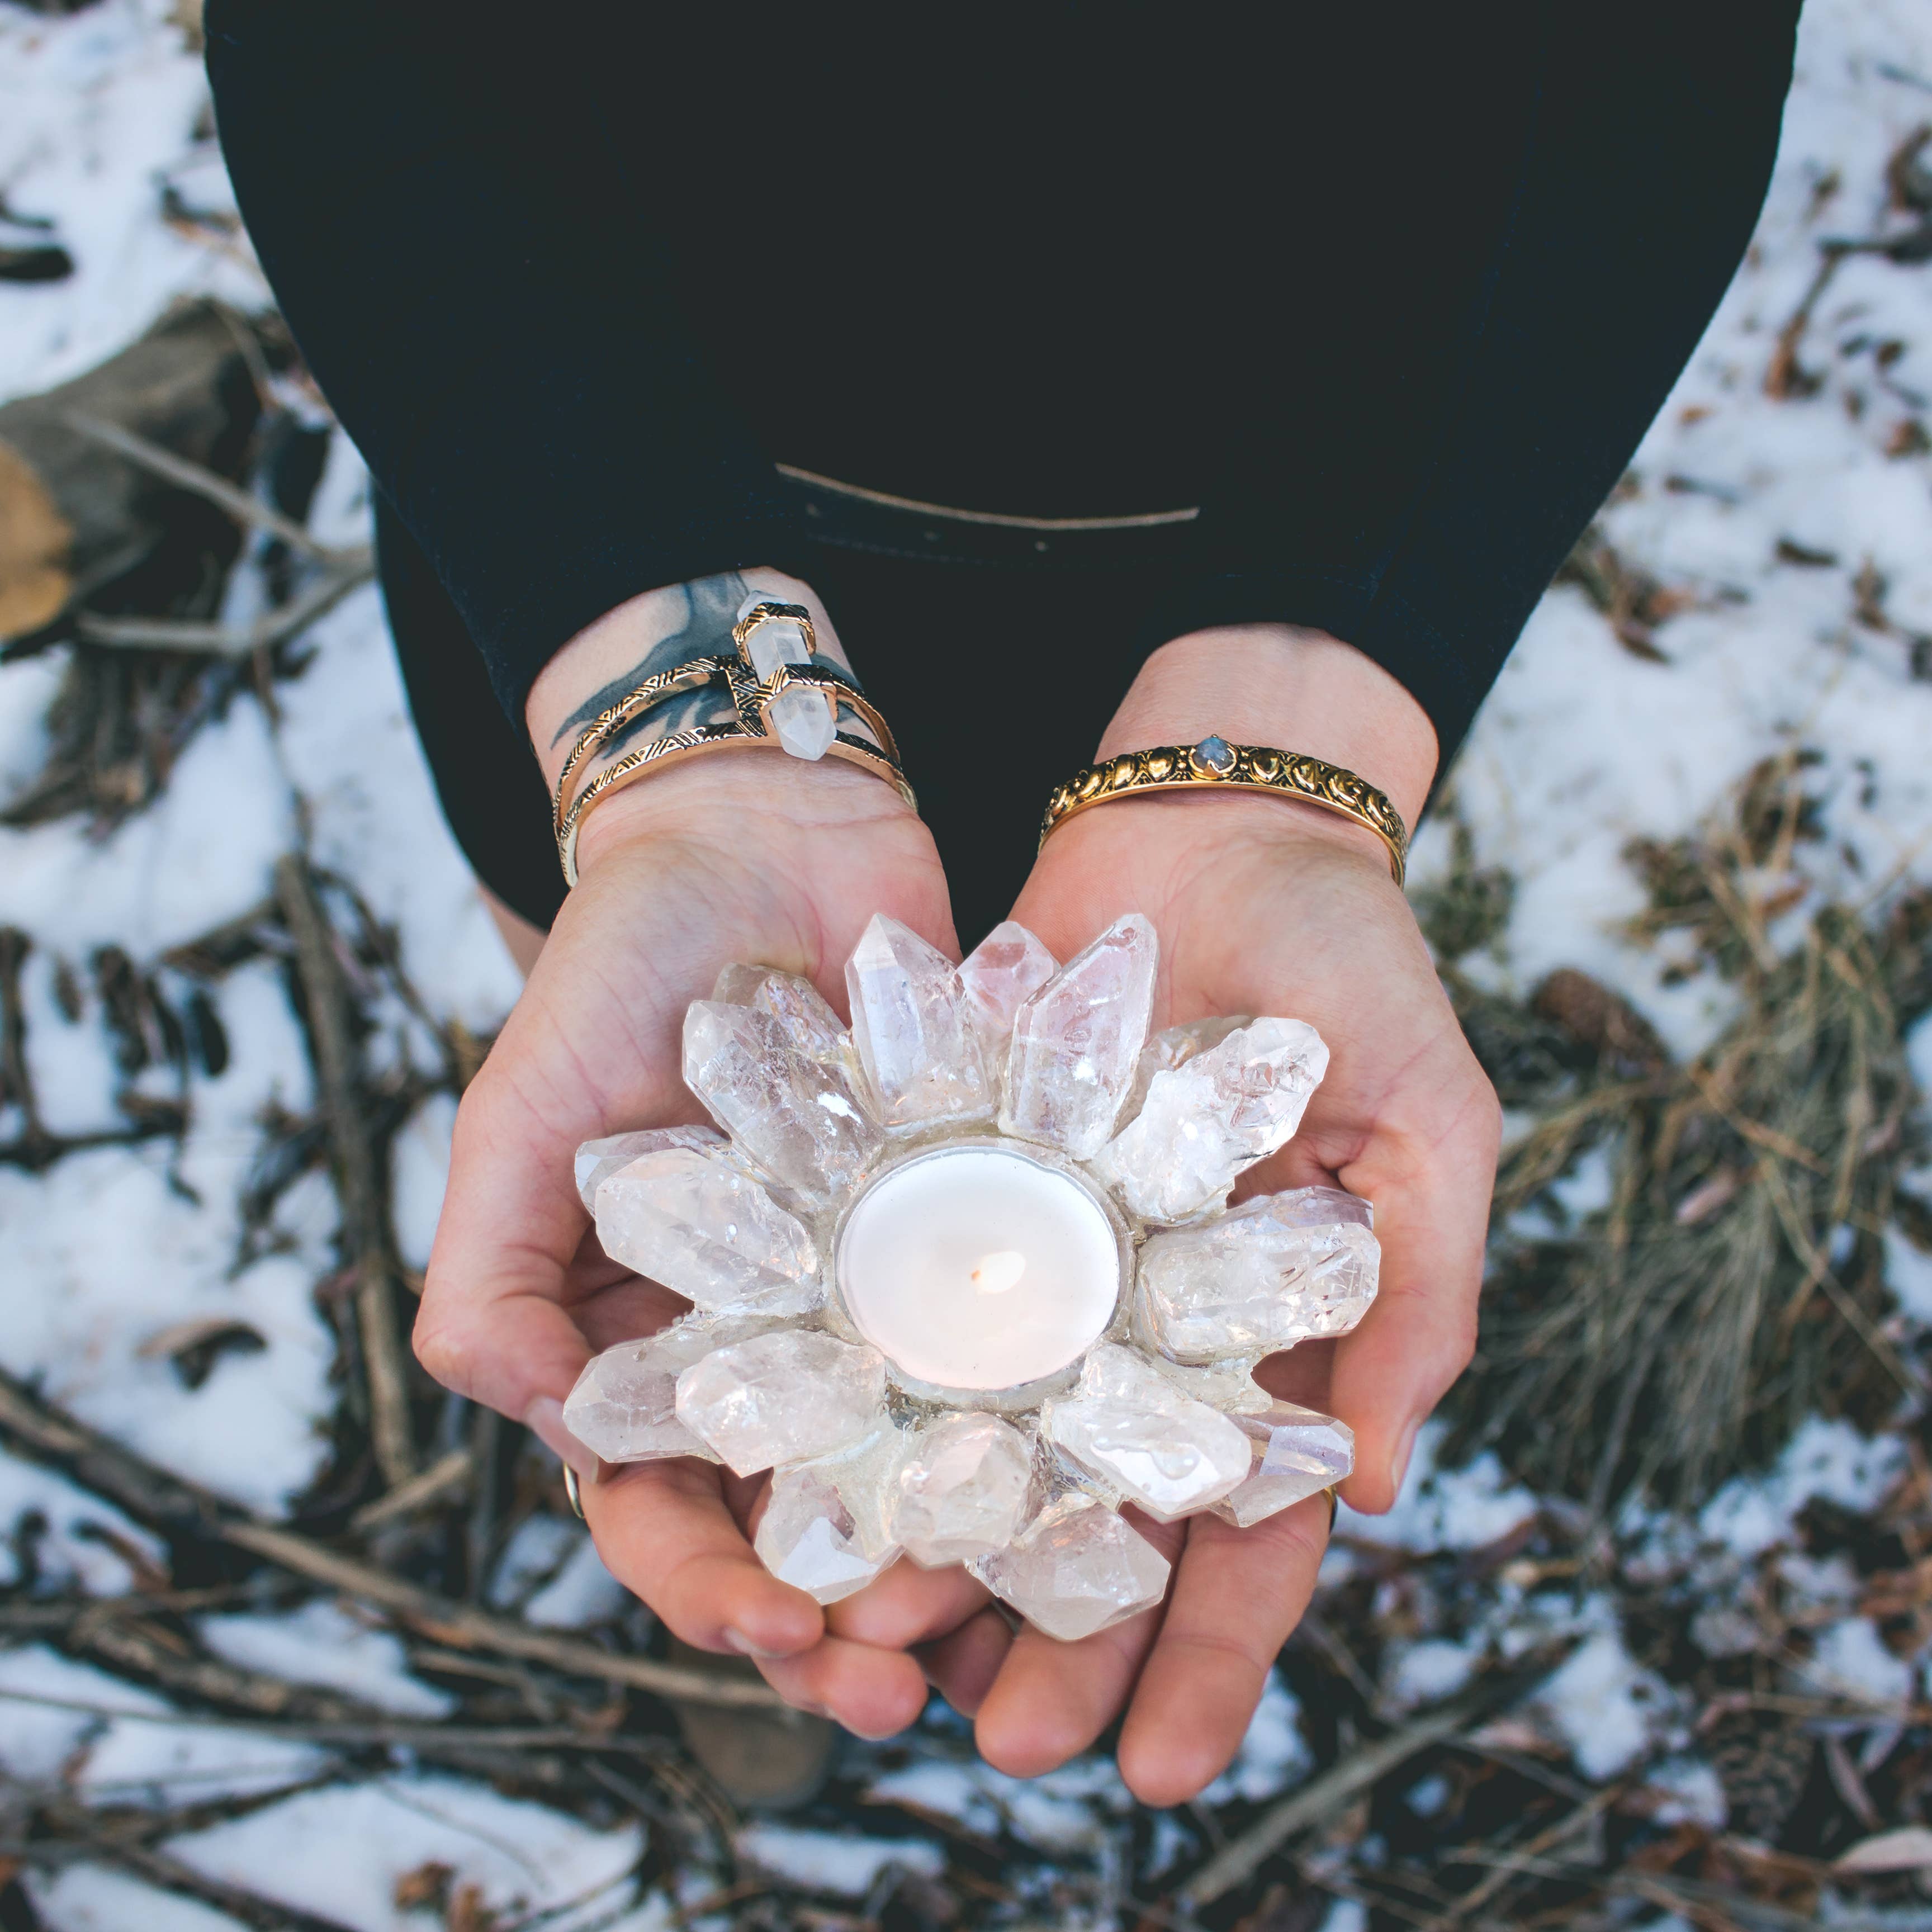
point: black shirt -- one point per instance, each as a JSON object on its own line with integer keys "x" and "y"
{"x": 1388, "y": 294}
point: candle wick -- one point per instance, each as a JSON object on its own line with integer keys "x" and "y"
{"x": 996, "y": 1272}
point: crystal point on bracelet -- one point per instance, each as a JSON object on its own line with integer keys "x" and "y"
{"x": 1279, "y": 1269}
{"x": 1076, "y": 1041}
{"x": 1208, "y": 1120}
{"x": 706, "y": 1231}
{"x": 803, "y": 720}
{"x": 911, "y": 1026}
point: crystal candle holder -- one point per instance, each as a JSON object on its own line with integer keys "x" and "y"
{"x": 963, "y": 1277}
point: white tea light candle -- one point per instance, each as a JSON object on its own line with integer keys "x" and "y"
{"x": 979, "y": 1266}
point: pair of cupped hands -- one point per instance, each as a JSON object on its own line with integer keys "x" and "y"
{"x": 1262, "y": 906}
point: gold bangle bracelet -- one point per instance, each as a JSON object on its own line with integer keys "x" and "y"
{"x": 751, "y": 698}
{"x": 1214, "y": 762}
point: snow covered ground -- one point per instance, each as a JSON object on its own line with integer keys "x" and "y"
{"x": 1792, "y": 537}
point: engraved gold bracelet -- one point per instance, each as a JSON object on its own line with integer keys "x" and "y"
{"x": 752, "y": 697}
{"x": 1214, "y": 762}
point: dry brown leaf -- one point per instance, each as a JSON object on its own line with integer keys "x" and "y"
{"x": 1908, "y": 1848}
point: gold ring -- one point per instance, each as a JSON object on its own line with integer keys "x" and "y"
{"x": 1216, "y": 763}
{"x": 571, "y": 1489}
{"x": 1334, "y": 1506}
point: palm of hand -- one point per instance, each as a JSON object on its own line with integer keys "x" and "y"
{"x": 1287, "y": 918}
{"x": 519, "y": 1295}
{"x": 1270, "y": 914}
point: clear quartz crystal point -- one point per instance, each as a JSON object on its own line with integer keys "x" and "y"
{"x": 800, "y": 1120}
{"x": 1174, "y": 1046}
{"x": 624, "y": 1407}
{"x": 911, "y": 1026}
{"x": 1076, "y": 1568}
{"x": 597, "y": 1160}
{"x": 1275, "y": 1270}
{"x": 803, "y": 720}
{"x": 796, "y": 1004}
{"x": 1296, "y": 1451}
{"x": 782, "y": 1397}
{"x": 1130, "y": 1429}
{"x": 998, "y": 976}
{"x": 709, "y": 1233}
{"x": 1206, "y": 1121}
{"x": 864, "y": 1475}
{"x": 960, "y": 1489}
{"x": 1076, "y": 1041}
{"x": 810, "y": 1538}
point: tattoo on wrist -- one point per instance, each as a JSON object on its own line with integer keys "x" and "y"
{"x": 711, "y": 605}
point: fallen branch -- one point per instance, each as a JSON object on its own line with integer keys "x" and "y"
{"x": 1238, "y": 1861}
{"x": 74, "y": 1823}
{"x": 358, "y": 1188}
{"x": 225, "y": 640}
{"x": 445, "y": 1477}
{"x": 437, "y": 1740}
{"x": 205, "y": 483}
{"x": 46, "y": 1434}
{"x": 76, "y": 514}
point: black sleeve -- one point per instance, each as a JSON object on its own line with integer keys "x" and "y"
{"x": 480, "y": 300}
{"x": 1391, "y": 293}
{"x": 1413, "y": 489}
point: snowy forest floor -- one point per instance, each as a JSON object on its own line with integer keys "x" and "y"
{"x": 1645, "y": 1641}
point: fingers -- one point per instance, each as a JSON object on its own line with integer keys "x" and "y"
{"x": 1050, "y": 1699}
{"x": 664, "y": 1531}
{"x": 872, "y": 1692}
{"x": 962, "y": 1665}
{"x": 592, "y": 1046}
{"x": 1432, "y": 1217}
{"x": 907, "y": 1606}
{"x": 492, "y": 1324}
{"x": 1238, "y": 1594}
{"x": 860, "y": 1674}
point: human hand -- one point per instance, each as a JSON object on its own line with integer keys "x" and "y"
{"x": 1262, "y": 906}
{"x": 750, "y": 856}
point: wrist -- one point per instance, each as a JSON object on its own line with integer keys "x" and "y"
{"x": 650, "y": 633}
{"x": 1297, "y": 690}
{"x": 743, "y": 803}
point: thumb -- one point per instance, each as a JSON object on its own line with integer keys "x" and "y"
{"x": 493, "y": 1324}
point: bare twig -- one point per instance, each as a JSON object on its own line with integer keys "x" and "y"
{"x": 437, "y": 1740}
{"x": 44, "y": 1433}
{"x": 353, "y": 1157}
{"x": 445, "y": 1477}
{"x": 217, "y": 490}
{"x": 1321, "y": 1797}
{"x": 227, "y": 640}
{"x": 73, "y": 1821}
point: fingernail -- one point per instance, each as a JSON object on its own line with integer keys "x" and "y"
{"x": 544, "y": 1419}
{"x": 738, "y": 1641}
{"x": 1405, "y": 1447}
